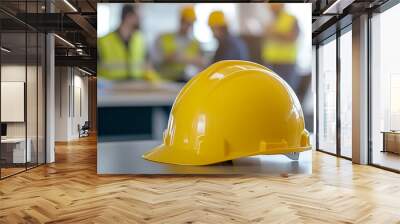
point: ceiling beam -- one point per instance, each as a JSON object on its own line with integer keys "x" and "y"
{"x": 337, "y": 6}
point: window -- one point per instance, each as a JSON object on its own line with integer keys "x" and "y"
{"x": 327, "y": 97}
{"x": 385, "y": 89}
{"x": 23, "y": 89}
{"x": 346, "y": 94}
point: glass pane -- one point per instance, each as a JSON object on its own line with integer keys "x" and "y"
{"x": 386, "y": 89}
{"x": 327, "y": 97}
{"x": 346, "y": 94}
{"x": 23, "y": 89}
{"x": 41, "y": 99}
{"x": 31, "y": 97}
{"x": 13, "y": 86}
{"x": 32, "y": 86}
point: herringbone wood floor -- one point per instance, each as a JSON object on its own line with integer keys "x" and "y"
{"x": 69, "y": 191}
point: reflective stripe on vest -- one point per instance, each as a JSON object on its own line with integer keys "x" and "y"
{"x": 169, "y": 46}
{"x": 279, "y": 51}
{"x": 116, "y": 61}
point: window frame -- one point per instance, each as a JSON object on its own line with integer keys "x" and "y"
{"x": 334, "y": 37}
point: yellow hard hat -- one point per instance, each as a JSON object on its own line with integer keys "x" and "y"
{"x": 188, "y": 14}
{"x": 230, "y": 110}
{"x": 217, "y": 18}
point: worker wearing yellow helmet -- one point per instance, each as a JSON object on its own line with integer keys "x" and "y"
{"x": 122, "y": 53}
{"x": 280, "y": 45}
{"x": 180, "y": 53}
{"x": 230, "y": 47}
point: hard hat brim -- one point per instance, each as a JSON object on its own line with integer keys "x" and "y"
{"x": 170, "y": 155}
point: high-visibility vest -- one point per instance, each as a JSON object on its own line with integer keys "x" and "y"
{"x": 277, "y": 51}
{"x": 119, "y": 62}
{"x": 169, "y": 46}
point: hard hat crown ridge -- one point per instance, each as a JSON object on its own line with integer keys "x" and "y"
{"x": 230, "y": 110}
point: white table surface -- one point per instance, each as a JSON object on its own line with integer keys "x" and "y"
{"x": 12, "y": 140}
{"x": 137, "y": 94}
{"x": 19, "y": 152}
{"x": 125, "y": 157}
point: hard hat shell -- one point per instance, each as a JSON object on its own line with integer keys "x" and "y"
{"x": 188, "y": 14}
{"x": 217, "y": 19}
{"x": 230, "y": 110}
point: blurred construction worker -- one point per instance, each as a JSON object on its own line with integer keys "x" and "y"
{"x": 280, "y": 46}
{"x": 180, "y": 52}
{"x": 122, "y": 53}
{"x": 230, "y": 47}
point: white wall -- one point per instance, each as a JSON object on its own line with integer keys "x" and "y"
{"x": 62, "y": 81}
{"x": 80, "y": 94}
{"x": 33, "y": 126}
{"x": 17, "y": 73}
{"x": 70, "y": 83}
{"x": 12, "y": 73}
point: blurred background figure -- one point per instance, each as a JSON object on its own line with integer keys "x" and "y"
{"x": 122, "y": 53}
{"x": 230, "y": 47}
{"x": 181, "y": 40}
{"x": 280, "y": 45}
{"x": 180, "y": 52}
